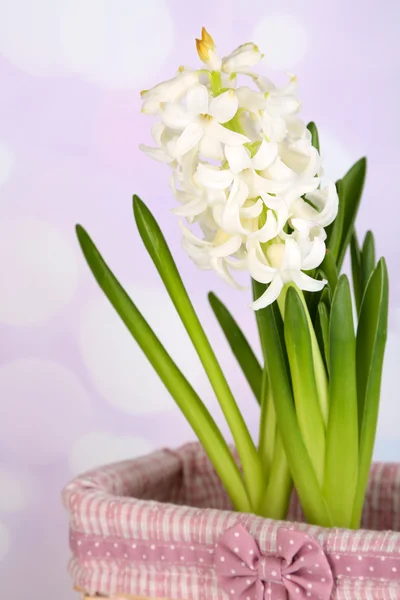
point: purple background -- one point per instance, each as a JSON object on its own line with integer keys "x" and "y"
{"x": 74, "y": 390}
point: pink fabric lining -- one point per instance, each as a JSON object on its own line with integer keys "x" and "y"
{"x": 122, "y": 512}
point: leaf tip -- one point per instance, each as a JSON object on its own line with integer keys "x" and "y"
{"x": 81, "y": 233}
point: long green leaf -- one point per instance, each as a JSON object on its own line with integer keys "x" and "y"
{"x": 312, "y": 128}
{"x": 367, "y": 259}
{"x": 180, "y": 389}
{"x": 371, "y": 342}
{"x": 353, "y": 183}
{"x": 313, "y": 503}
{"x": 160, "y": 254}
{"x": 322, "y": 332}
{"x": 240, "y": 347}
{"x": 319, "y": 366}
{"x": 298, "y": 344}
{"x": 267, "y": 426}
{"x": 277, "y": 495}
{"x": 326, "y": 297}
{"x": 356, "y": 270}
{"x": 341, "y": 466}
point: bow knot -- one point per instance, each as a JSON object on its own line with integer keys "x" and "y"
{"x": 299, "y": 571}
{"x": 270, "y": 568}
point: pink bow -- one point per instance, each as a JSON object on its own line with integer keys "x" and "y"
{"x": 300, "y": 571}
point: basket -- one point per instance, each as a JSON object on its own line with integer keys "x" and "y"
{"x": 162, "y": 527}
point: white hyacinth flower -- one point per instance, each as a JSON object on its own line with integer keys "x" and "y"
{"x": 284, "y": 263}
{"x": 169, "y": 91}
{"x": 244, "y": 171}
{"x": 201, "y": 122}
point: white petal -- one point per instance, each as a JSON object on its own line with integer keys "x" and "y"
{"x": 230, "y": 216}
{"x": 191, "y": 237}
{"x": 210, "y": 146}
{"x": 315, "y": 256}
{"x": 157, "y": 132}
{"x": 197, "y": 100}
{"x": 172, "y": 89}
{"x": 258, "y": 270}
{"x": 213, "y": 177}
{"x": 303, "y": 211}
{"x": 249, "y": 99}
{"x": 224, "y": 107}
{"x": 156, "y": 153}
{"x": 327, "y": 201}
{"x": 271, "y": 228}
{"x": 265, "y": 155}
{"x": 253, "y": 211}
{"x": 273, "y": 202}
{"x": 270, "y": 295}
{"x": 307, "y": 283}
{"x": 265, "y": 84}
{"x": 151, "y": 107}
{"x": 229, "y": 247}
{"x": 238, "y": 158}
{"x": 258, "y": 184}
{"x": 273, "y": 128}
{"x": 226, "y": 136}
{"x": 174, "y": 115}
{"x": 190, "y": 136}
{"x": 241, "y": 59}
{"x": 292, "y": 256}
{"x": 237, "y": 264}
{"x": 296, "y": 127}
{"x": 280, "y": 171}
{"x": 301, "y": 225}
{"x": 189, "y": 162}
{"x": 191, "y": 209}
{"x": 220, "y": 267}
{"x": 282, "y": 105}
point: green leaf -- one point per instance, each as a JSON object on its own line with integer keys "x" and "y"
{"x": 353, "y": 183}
{"x": 313, "y": 503}
{"x": 341, "y": 466}
{"x": 326, "y": 298}
{"x": 356, "y": 270}
{"x": 371, "y": 342}
{"x": 239, "y": 345}
{"x": 322, "y": 332}
{"x": 298, "y": 344}
{"x": 312, "y": 128}
{"x": 267, "y": 426}
{"x": 160, "y": 254}
{"x": 319, "y": 367}
{"x": 335, "y": 230}
{"x": 180, "y": 389}
{"x": 279, "y": 488}
{"x": 367, "y": 259}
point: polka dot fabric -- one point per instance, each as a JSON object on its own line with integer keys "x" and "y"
{"x": 161, "y": 527}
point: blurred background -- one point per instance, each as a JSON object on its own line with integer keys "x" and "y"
{"x": 75, "y": 391}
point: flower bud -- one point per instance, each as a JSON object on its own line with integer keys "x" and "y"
{"x": 242, "y": 59}
{"x": 207, "y": 51}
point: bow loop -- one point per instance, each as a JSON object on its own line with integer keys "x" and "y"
{"x": 300, "y": 570}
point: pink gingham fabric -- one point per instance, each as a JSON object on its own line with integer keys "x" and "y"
{"x": 154, "y": 527}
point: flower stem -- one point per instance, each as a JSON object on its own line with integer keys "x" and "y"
{"x": 216, "y": 83}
